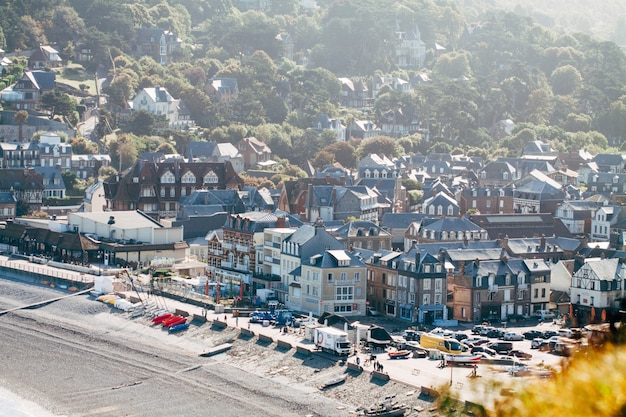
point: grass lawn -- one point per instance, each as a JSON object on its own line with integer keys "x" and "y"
{"x": 75, "y": 75}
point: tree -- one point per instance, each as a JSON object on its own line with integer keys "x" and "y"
{"x": 141, "y": 123}
{"x": 22, "y": 208}
{"x": 71, "y": 180}
{"x": 565, "y": 80}
{"x": 59, "y": 103}
{"x": 81, "y": 146}
{"x": 380, "y": 145}
{"x": 21, "y": 117}
{"x": 106, "y": 172}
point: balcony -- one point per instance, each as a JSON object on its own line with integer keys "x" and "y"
{"x": 522, "y": 286}
{"x": 242, "y": 248}
{"x": 216, "y": 252}
{"x": 227, "y": 264}
{"x": 226, "y": 245}
{"x": 242, "y": 267}
{"x": 493, "y": 288}
{"x": 267, "y": 277}
{"x": 271, "y": 244}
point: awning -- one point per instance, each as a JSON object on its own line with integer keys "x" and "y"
{"x": 295, "y": 284}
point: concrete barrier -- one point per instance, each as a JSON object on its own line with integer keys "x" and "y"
{"x": 198, "y": 318}
{"x": 219, "y": 324}
{"x": 302, "y": 350}
{"x": 264, "y": 338}
{"x": 182, "y": 312}
{"x": 283, "y": 344}
{"x": 431, "y": 392}
{"x": 246, "y": 332}
{"x": 380, "y": 375}
{"x": 354, "y": 367}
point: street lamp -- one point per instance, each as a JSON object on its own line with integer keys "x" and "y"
{"x": 99, "y": 255}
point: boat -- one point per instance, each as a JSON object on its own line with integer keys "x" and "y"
{"x": 160, "y": 319}
{"x": 175, "y": 321}
{"x": 387, "y": 409}
{"x": 178, "y": 328}
{"x": 335, "y": 381}
{"x": 462, "y": 359}
{"x": 399, "y": 354}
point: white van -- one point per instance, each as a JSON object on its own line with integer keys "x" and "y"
{"x": 544, "y": 314}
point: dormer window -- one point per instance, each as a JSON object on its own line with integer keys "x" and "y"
{"x": 168, "y": 178}
{"x": 188, "y": 178}
{"x": 211, "y": 178}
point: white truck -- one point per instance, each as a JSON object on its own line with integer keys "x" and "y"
{"x": 332, "y": 340}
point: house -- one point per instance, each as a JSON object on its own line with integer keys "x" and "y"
{"x": 610, "y": 163}
{"x": 537, "y": 193}
{"x": 19, "y": 155}
{"x": 397, "y": 224}
{"x": 486, "y": 200}
{"x": 199, "y": 151}
{"x": 564, "y": 176}
{"x": 298, "y": 248}
{"x": 611, "y": 185}
{"x": 156, "y": 188}
{"x": 160, "y": 44}
{"x": 243, "y": 234}
{"x": 8, "y": 205}
{"x": 440, "y": 205}
{"x": 25, "y": 184}
{"x": 339, "y": 203}
{"x": 253, "y": 151}
{"x": 363, "y": 234}
{"x": 398, "y": 122}
{"x": 597, "y": 289}
{"x": 354, "y": 94}
{"x": 45, "y": 57}
{"x": 87, "y": 166}
{"x": 128, "y": 236}
{"x": 497, "y": 173}
{"x": 390, "y": 190}
{"x": 602, "y": 224}
{"x": 27, "y": 91}
{"x": 363, "y": 129}
{"x": 94, "y": 200}
{"x": 375, "y": 166}
{"x": 286, "y": 45}
{"x": 577, "y": 215}
{"x": 158, "y": 102}
{"x": 53, "y": 184}
{"x": 324, "y": 122}
{"x": 270, "y": 270}
{"x": 494, "y": 290}
{"x": 294, "y": 195}
{"x": 410, "y": 286}
{"x": 53, "y": 152}
{"x": 395, "y": 83}
{"x": 333, "y": 281}
{"x": 538, "y": 147}
{"x": 224, "y": 89}
{"x": 410, "y": 50}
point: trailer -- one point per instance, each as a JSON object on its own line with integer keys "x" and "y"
{"x": 332, "y": 340}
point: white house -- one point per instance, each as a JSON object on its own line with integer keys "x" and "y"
{"x": 157, "y": 101}
{"x": 598, "y": 285}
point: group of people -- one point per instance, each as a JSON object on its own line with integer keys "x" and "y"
{"x": 377, "y": 365}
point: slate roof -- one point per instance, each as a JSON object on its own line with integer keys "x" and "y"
{"x": 360, "y": 228}
{"x": 450, "y": 224}
{"x": 51, "y": 174}
{"x": 331, "y": 258}
{"x": 197, "y": 149}
{"x": 520, "y": 225}
{"x": 7, "y": 197}
{"x": 313, "y": 240}
{"x": 400, "y": 220}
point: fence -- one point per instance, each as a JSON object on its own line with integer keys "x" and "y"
{"x": 41, "y": 270}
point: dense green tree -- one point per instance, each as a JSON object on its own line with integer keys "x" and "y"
{"x": 141, "y": 123}
{"x": 58, "y": 102}
{"x": 21, "y": 117}
{"x": 380, "y": 145}
{"x": 565, "y": 80}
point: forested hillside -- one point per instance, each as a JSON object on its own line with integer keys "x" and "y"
{"x": 481, "y": 66}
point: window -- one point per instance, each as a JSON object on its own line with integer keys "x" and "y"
{"x": 172, "y": 192}
{"x": 188, "y": 178}
{"x": 183, "y": 191}
{"x": 477, "y": 297}
{"x": 316, "y": 276}
{"x": 427, "y": 269}
{"x": 211, "y": 178}
{"x": 344, "y": 276}
{"x": 426, "y": 299}
{"x": 438, "y": 285}
{"x": 344, "y": 293}
{"x": 592, "y": 300}
{"x": 168, "y": 178}
{"x": 330, "y": 277}
{"x": 450, "y": 210}
{"x": 162, "y": 192}
{"x": 543, "y": 292}
{"x": 357, "y": 276}
{"x": 488, "y": 203}
{"x": 536, "y": 292}
{"x": 437, "y": 298}
{"x": 427, "y": 284}
{"x": 473, "y": 203}
{"x": 148, "y": 192}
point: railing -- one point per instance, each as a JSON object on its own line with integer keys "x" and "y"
{"x": 227, "y": 264}
{"x": 47, "y": 271}
{"x": 242, "y": 248}
{"x": 226, "y": 245}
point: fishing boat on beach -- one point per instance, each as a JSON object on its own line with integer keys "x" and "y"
{"x": 160, "y": 319}
{"x": 399, "y": 354}
{"x": 173, "y": 321}
{"x": 178, "y": 328}
{"x": 386, "y": 409}
{"x": 335, "y": 381}
{"x": 462, "y": 359}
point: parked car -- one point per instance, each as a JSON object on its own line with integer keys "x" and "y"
{"x": 495, "y": 333}
{"x": 475, "y": 341}
{"x": 460, "y": 336}
{"x": 549, "y": 333}
{"x": 536, "y": 343}
{"x": 477, "y": 329}
{"x": 533, "y": 334}
{"x": 500, "y": 347}
{"x": 520, "y": 354}
{"x": 544, "y": 314}
{"x": 512, "y": 336}
{"x": 487, "y": 351}
{"x": 485, "y": 330}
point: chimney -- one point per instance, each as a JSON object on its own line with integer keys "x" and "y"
{"x": 476, "y": 262}
{"x": 461, "y": 268}
{"x": 542, "y": 245}
{"x": 505, "y": 242}
{"x": 281, "y": 221}
{"x": 418, "y": 257}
